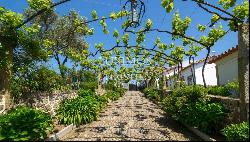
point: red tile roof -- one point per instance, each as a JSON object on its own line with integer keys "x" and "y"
{"x": 199, "y": 61}
{"x": 223, "y": 55}
{"x": 196, "y": 62}
{"x": 170, "y": 68}
{"x": 211, "y": 59}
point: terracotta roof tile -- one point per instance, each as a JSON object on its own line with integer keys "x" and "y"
{"x": 223, "y": 55}
{"x": 199, "y": 61}
{"x": 170, "y": 68}
{"x": 211, "y": 59}
{"x": 196, "y": 62}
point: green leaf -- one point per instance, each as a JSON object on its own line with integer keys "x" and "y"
{"x": 116, "y": 33}
{"x": 215, "y": 18}
{"x": 148, "y": 24}
{"x": 113, "y": 16}
{"x": 227, "y": 3}
{"x": 168, "y": 5}
{"x": 94, "y": 14}
{"x": 125, "y": 39}
{"x": 201, "y": 28}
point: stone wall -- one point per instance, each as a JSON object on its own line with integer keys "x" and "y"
{"x": 2, "y": 105}
{"x": 46, "y": 101}
{"x": 232, "y": 105}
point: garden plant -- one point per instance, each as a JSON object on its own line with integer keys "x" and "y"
{"x": 45, "y": 49}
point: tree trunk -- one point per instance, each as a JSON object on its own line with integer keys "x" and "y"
{"x": 164, "y": 82}
{"x": 148, "y": 82}
{"x": 194, "y": 77}
{"x": 178, "y": 69}
{"x": 5, "y": 74}
{"x": 60, "y": 65}
{"x": 181, "y": 70}
{"x": 243, "y": 71}
{"x": 192, "y": 69}
{"x": 174, "y": 79}
{"x": 99, "y": 80}
{"x": 204, "y": 65}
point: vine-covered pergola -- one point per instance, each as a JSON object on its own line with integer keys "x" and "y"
{"x": 23, "y": 31}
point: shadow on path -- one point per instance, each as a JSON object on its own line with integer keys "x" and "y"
{"x": 132, "y": 118}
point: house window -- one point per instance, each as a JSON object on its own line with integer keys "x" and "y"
{"x": 182, "y": 78}
{"x": 190, "y": 80}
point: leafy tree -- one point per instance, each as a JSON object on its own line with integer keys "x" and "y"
{"x": 21, "y": 32}
{"x": 18, "y": 40}
{"x": 64, "y": 38}
{"x": 31, "y": 79}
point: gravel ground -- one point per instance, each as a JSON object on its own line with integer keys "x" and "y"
{"x": 132, "y": 118}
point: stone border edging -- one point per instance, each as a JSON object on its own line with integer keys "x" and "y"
{"x": 202, "y": 135}
{"x": 60, "y": 134}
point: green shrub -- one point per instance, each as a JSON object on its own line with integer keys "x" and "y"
{"x": 88, "y": 76}
{"x": 103, "y": 100}
{"x": 147, "y": 90}
{"x": 80, "y": 110}
{"x": 218, "y": 90}
{"x": 35, "y": 79}
{"x": 180, "y": 84}
{"x": 109, "y": 85}
{"x": 23, "y": 123}
{"x": 205, "y": 116}
{"x": 88, "y": 85}
{"x": 120, "y": 90}
{"x": 179, "y": 98}
{"x": 47, "y": 80}
{"x": 153, "y": 94}
{"x": 84, "y": 93}
{"x": 233, "y": 87}
{"x": 112, "y": 95}
{"x": 237, "y": 132}
{"x": 190, "y": 105}
{"x": 84, "y": 109}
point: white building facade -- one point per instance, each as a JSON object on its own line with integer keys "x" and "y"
{"x": 168, "y": 74}
{"x": 227, "y": 66}
{"x": 209, "y": 74}
{"x": 186, "y": 74}
{"x": 219, "y": 70}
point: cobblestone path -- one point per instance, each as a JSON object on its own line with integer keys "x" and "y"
{"x": 132, "y": 118}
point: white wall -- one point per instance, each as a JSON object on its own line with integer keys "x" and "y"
{"x": 227, "y": 68}
{"x": 186, "y": 73}
{"x": 170, "y": 73}
{"x": 210, "y": 74}
{"x": 227, "y": 71}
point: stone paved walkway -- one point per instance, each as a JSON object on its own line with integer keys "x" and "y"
{"x": 132, "y": 118}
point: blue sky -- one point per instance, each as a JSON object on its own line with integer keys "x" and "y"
{"x": 154, "y": 11}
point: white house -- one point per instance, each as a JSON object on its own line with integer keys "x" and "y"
{"x": 168, "y": 73}
{"x": 186, "y": 74}
{"x": 226, "y": 66}
{"x": 209, "y": 73}
{"x": 219, "y": 70}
